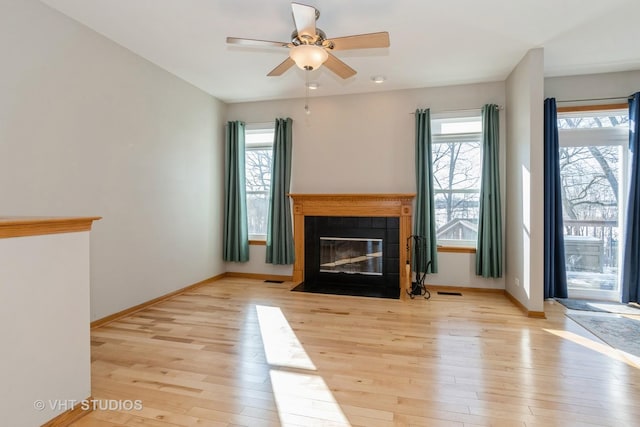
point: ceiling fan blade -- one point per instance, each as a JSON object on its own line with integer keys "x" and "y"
{"x": 284, "y": 66}
{"x": 361, "y": 41}
{"x": 252, "y": 42}
{"x": 339, "y": 67}
{"x": 305, "y": 19}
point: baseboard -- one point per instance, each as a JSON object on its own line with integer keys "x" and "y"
{"x": 536, "y": 314}
{"x": 517, "y": 303}
{"x": 70, "y": 416}
{"x": 115, "y": 316}
{"x": 258, "y": 276}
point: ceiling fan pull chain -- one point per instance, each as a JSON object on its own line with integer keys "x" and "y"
{"x": 306, "y": 85}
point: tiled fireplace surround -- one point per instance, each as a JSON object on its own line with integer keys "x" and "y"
{"x": 350, "y": 205}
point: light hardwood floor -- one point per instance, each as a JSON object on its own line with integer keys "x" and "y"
{"x": 240, "y": 352}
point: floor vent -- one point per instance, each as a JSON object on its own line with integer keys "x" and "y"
{"x": 458, "y": 294}
{"x": 274, "y": 281}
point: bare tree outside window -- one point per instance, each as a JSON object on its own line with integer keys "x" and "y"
{"x": 456, "y": 180}
{"x": 589, "y": 177}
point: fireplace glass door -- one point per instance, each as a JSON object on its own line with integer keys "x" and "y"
{"x": 351, "y": 255}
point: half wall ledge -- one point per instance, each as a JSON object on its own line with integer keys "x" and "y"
{"x": 21, "y": 226}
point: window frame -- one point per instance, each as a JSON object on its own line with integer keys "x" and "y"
{"x": 258, "y": 128}
{"x": 437, "y": 120}
{"x": 605, "y": 136}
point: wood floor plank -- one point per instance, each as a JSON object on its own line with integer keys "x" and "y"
{"x": 237, "y": 352}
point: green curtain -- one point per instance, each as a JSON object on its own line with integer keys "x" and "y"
{"x": 424, "y": 219}
{"x": 489, "y": 246}
{"x": 236, "y": 230}
{"x": 280, "y": 249}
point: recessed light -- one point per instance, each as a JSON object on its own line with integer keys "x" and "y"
{"x": 378, "y": 79}
{"x": 313, "y": 85}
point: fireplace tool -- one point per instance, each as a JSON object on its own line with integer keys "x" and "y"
{"x": 419, "y": 253}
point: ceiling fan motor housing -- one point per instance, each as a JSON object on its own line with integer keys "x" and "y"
{"x": 320, "y": 39}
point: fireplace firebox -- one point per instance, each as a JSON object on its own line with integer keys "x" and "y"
{"x": 352, "y": 255}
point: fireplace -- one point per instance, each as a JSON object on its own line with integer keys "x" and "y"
{"x": 352, "y": 255}
{"x": 352, "y": 240}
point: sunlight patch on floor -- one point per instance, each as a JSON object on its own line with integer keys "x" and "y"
{"x": 614, "y": 308}
{"x": 302, "y": 398}
{"x": 281, "y": 345}
{"x": 305, "y": 395}
{"x": 604, "y": 349}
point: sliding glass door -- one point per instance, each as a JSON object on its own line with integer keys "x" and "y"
{"x": 593, "y": 168}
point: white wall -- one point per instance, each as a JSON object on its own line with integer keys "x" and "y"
{"x": 525, "y": 181}
{"x": 365, "y": 144}
{"x": 257, "y": 265}
{"x": 44, "y": 326}
{"x": 89, "y": 128}
{"x": 592, "y": 86}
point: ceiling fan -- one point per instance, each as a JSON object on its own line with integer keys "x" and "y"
{"x": 310, "y": 48}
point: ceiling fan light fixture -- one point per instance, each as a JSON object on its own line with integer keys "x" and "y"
{"x": 308, "y": 56}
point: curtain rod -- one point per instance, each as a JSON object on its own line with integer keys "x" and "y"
{"x": 597, "y": 99}
{"x": 498, "y": 107}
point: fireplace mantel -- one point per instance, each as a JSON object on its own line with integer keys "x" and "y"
{"x": 382, "y": 205}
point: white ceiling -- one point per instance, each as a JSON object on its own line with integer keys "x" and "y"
{"x": 433, "y": 43}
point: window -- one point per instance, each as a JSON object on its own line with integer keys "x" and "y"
{"x": 258, "y": 156}
{"x": 457, "y": 169}
{"x": 592, "y": 170}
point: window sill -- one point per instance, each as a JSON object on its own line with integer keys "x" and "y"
{"x": 258, "y": 242}
{"x": 457, "y": 249}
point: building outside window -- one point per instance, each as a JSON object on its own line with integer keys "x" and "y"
{"x": 457, "y": 169}
{"x": 258, "y": 161}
